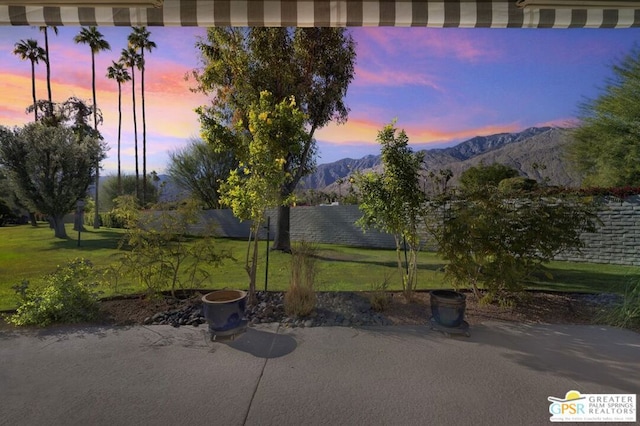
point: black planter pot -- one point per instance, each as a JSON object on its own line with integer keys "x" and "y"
{"x": 224, "y": 311}
{"x": 447, "y": 307}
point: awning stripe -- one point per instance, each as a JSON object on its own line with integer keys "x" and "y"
{"x": 305, "y": 13}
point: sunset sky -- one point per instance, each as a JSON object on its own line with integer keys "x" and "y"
{"x": 442, "y": 85}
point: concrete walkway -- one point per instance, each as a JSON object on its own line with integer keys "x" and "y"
{"x": 409, "y": 375}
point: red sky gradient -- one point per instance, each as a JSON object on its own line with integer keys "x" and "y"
{"x": 442, "y": 85}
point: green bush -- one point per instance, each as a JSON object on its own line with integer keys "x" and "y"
{"x": 67, "y": 296}
{"x": 111, "y": 220}
{"x": 627, "y": 313}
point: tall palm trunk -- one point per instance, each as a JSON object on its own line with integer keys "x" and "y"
{"x": 144, "y": 137}
{"x": 96, "y": 215}
{"x": 119, "y": 133}
{"x": 46, "y": 49}
{"x": 135, "y": 130}
{"x": 33, "y": 89}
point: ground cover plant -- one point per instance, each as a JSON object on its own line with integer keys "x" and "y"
{"x": 29, "y": 253}
{"x": 68, "y": 296}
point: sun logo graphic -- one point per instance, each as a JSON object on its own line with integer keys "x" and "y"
{"x": 577, "y": 407}
{"x": 570, "y": 405}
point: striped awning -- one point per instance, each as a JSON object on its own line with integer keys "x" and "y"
{"x": 308, "y": 13}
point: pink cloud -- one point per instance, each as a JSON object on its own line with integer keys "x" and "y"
{"x": 364, "y": 132}
{"x": 462, "y": 45}
{"x": 388, "y": 77}
{"x": 559, "y": 122}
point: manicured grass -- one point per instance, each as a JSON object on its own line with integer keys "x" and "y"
{"x": 28, "y": 253}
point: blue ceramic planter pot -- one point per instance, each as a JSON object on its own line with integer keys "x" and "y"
{"x": 224, "y": 310}
{"x": 447, "y": 307}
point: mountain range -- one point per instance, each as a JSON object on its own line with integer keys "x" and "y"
{"x": 537, "y": 153}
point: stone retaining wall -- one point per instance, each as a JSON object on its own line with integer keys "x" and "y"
{"x": 616, "y": 241}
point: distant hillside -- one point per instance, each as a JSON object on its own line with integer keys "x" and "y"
{"x": 543, "y": 146}
{"x": 326, "y": 174}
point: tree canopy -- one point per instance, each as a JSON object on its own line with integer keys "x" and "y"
{"x": 314, "y": 65}
{"x": 606, "y": 147}
{"x": 200, "y": 169}
{"x": 51, "y": 167}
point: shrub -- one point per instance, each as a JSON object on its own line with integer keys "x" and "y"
{"x": 627, "y": 313}
{"x": 66, "y": 297}
{"x": 160, "y": 252}
{"x": 111, "y": 220}
{"x": 495, "y": 243}
{"x": 379, "y": 298}
{"x": 300, "y": 299}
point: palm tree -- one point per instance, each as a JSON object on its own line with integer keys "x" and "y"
{"x": 119, "y": 73}
{"x": 48, "y": 64}
{"x": 97, "y": 43}
{"x": 139, "y": 39}
{"x": 132, "y": 59}
{"x": 29, "y": 49}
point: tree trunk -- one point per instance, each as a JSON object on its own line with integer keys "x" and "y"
{"x": 144, "y": 135}
{"x": 135, "y": 130}
{"x": 32, "y": 219}
{"x": 96, "y": 215}
{"x": 282, "y": 240}
{"x": 58, "y": 226}
{"x": 46, "y": 48}
{"x": 119, "y": 135}
{"x": 33, "y": 90}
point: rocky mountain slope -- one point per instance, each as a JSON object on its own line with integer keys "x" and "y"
{"x": 537, "y": 153}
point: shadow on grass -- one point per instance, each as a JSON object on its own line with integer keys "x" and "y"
{"x": 335, "y": 256}
{"x": 573, "y": 280}
{"x": 108, "y": 240}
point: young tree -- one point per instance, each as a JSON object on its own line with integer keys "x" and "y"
{"x": 47, "y": 62}
{"x": 29, "y": 49}
{"x": 606, "y": 147}
{"x": 315, "y": 65}
{"x": 393, "y": 200}
{"x": 200, "y": 169}
{"x": 50, "y": 167}
{"x": 256, "y": 184}
{"x": 495, "y": 234}
{"x": 94, "y": 38}
{"x": 132, "y": 59}
{"x": 139, "y": 39}
{"x": 118, "y": 72}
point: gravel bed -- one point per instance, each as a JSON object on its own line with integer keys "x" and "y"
{"x": 343, "y": 309}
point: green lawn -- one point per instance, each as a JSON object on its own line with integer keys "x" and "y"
{"x": 28, "y": 253}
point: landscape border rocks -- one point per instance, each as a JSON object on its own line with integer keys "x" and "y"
{"x": 343, "y": 309}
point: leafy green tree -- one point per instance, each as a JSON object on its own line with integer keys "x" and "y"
{"x": 606, "y": 147}
{"x": 94, "y": 38}
{"x": 314, "y": 65}
{"x": 256, "y": 184}
{"x": 29, "y": 49}
{"x": 50, "y": 167}
{"x": 118, "y": 72}
{"x": 139, "y": 39}
{"x": 393, "y": 201}
{"x": 200, "y": 169}
{"x": 133, "y": 60}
